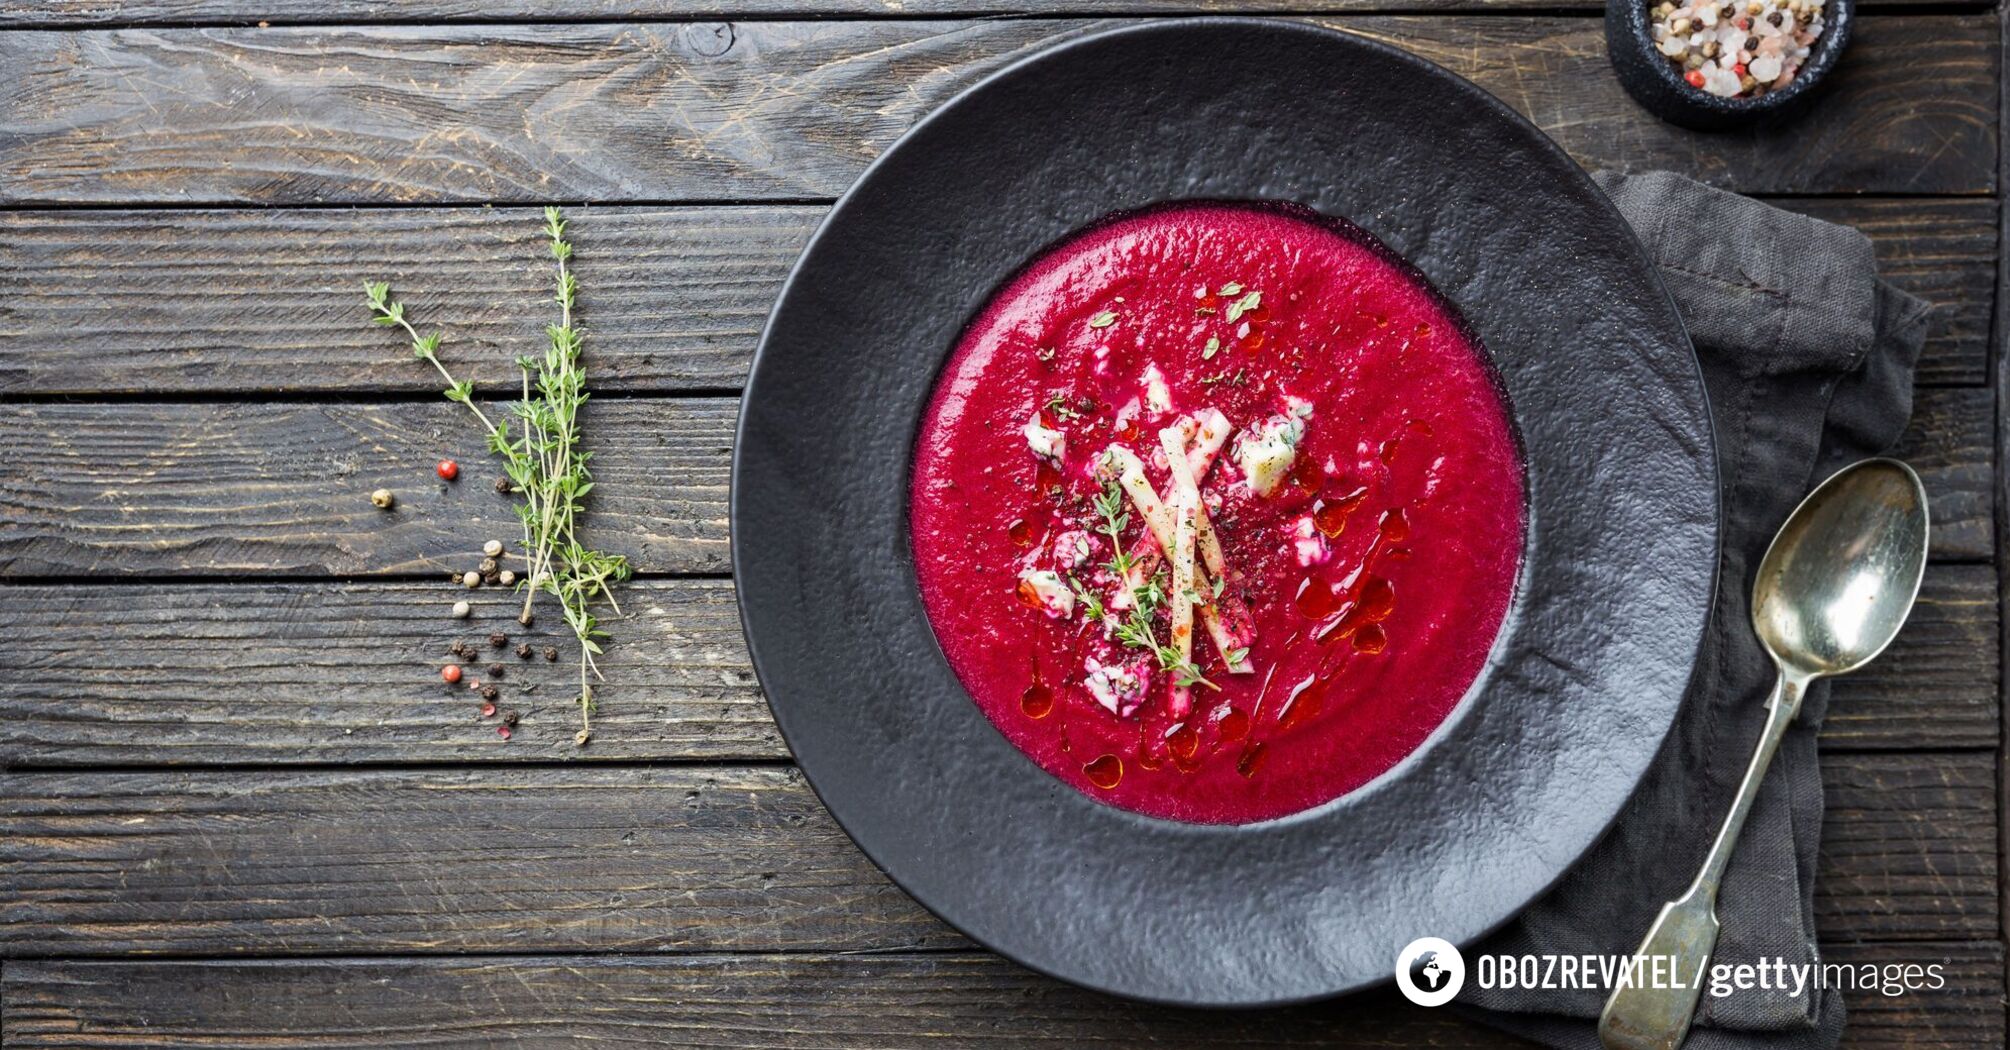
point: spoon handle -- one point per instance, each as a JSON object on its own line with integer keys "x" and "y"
{"x": 1642, "y": 1016}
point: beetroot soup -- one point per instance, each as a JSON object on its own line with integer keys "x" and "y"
{"x": 1216, "y": 511}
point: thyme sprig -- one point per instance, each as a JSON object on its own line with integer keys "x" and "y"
{"x": 544, "y": 463}
{"x": 1136, "y": 629}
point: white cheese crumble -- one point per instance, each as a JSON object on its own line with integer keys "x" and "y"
{"x": 1044, "y": 588}
{"x": 1308, "y": 544}
{"x": 1158, "y": 397}
{"x": 1045, "y": 442}
{"x": 1120, "y": 688}
{"x": 1073, "y": 549}
{"x": 1266, "y": 451}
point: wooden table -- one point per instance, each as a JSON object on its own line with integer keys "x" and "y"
{"x": 239, "y": 809}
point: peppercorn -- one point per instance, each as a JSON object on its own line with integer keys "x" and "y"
{"x": 551, "y": 654}
{"x": 502, "y": 731}
{"x": 490, "y": 692}
{"x": 448, "y": 470}
{"x": 509, "y": 717}
{"x": 496, "y": 671}
{"x": 460, "y": 649}
{"x": 488, "y": 565}
{"x": 506, "y": 578}
{"x": 450, "y": 673}
{"x": 471, "y": 580}
{"x": 498, "y": 640}
{"x": 382, "y": 499}
{"x": 503, "y": 486}
{"x": 488, "y": 710}
{"x": 461, "y": 610}
{"x": 1774, "y": 17}
{"x": 493, "y": 548}
{"x": 523, "y": 650}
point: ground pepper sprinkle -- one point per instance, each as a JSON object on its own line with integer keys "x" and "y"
{"x": 1740, "y": 49}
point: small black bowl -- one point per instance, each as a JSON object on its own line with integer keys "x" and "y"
{"x": 1652, "y": 80}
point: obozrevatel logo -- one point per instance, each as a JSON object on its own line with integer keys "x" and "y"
{"x": 1430, "y": 971}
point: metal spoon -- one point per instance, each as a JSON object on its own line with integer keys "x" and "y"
{"x": 1832, "y": 591}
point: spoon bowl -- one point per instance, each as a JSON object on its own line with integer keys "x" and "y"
{"x": 1839, "y": 579}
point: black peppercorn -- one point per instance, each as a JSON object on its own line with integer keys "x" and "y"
{"x": 1751, "y": 43}
{"x": 496, "y": 670}
{"x": 490, "y": 692}
{"x": 498, "y": 639}
{"x": 460, "y": 649}
{"x": 551, "y": 653}
{"x": 523, "y": 650}
{"x": 509, "y": 718}
{"x": 1774, "y": 18}
{"x": 487, "y": 566}
{"x": 503, "y": 486}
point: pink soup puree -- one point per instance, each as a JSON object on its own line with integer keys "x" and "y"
{"x": 1350, "y": 457}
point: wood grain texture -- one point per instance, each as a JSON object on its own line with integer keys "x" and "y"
{"x": 718, "y": 858}
{"x": 1886, "y": 871}
{"x": 1949, "y": 430}
{"x": 883, "y": 1002}
{"x": 348, "y": 672}
{"x": 312, "y": 673}
{"x": 245, "y": 301}
{"x": 80, "y": 13}
{"x": 765, "y": 110}
{"x": 131, "y": 489}
{"x": 284, "y": 488}
{"x": 250, "y": 301}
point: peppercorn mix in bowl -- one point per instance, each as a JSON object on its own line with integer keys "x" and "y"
{"x": 1737, "y": 49}
{"x": 1712, "y": 64}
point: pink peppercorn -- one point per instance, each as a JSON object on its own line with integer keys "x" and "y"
{"x": 450, "y": 673}
{"x": 1695, "y": 78}
{"x": 502, "y": 731}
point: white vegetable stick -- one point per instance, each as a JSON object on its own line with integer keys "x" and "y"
{"x": 1183, "y": 483}
{"x": 1130, "y": 472}
{"x": 1208, "y": 442}
{"x": 1186, "y": 513}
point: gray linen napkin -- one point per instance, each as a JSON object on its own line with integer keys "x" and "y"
{"x": 1808, "y": 358}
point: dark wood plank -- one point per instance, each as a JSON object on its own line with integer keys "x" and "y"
{"x": 80, "y": 13}
{"x": 885, "y": 1002}
{"x": 712, "y": 858}
{"x": 284, "y": 488}
{"x": 308, "y": 673}
{"x": 768, "y": 110}
{"x": 244, "y": 301}
{"x": 348, "y": 672}
{"x": 1889, "y": 866}
{"x": 1951, "y": 433}
{"x": 134, "y": 489}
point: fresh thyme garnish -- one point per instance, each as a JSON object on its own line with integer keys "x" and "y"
{"x": 1231, "y": 288}
{"x": 1104, "y": 319}
{"x": 1136, "y": 632}
{"x": 544, "y": 464}
{"x": 1110, "y": 506}
{"x": 1212, "y": 348}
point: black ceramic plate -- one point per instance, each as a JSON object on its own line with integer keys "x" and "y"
{"x": 1590, "y": 663}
